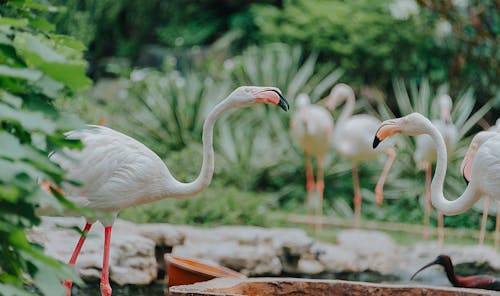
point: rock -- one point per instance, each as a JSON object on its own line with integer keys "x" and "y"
{"x": 309, "y": 266}
{"x": 254, "y": 251}
{"x": 249, "y": 260}
{"x": 374, "y": 250}
{"x": 132, "y": 257}
{"x": 162, "y": 234}
{"x": 336, "y": 259}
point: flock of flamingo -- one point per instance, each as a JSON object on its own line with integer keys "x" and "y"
{"x": 116, "y": 171}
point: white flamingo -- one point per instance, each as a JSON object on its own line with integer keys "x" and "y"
{"x": 118, "y": 172}
{"x": 425, "y": 156}
{"x": 485, "y": 166}
{"x": 465, "y": 168}
{"x": 311, "y": 128}
{"x": 352, "y": 140}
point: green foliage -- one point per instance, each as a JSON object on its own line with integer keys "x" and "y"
{"x": 358, "y": 34}
{"x": 123, "y": 28}
{"x": 37, "y": 66}
{"x": 472, "y": 36}
{"x": 214, "y": 206}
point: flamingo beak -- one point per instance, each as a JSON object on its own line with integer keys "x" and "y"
{"x": 273, "y": 96}
{"x": 435, "y": 262}
{"x": 283, "y": 102}
{"x": 386, "y": 129}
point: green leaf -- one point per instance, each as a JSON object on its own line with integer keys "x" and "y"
{"x": 73, "y": 75}
{"x": 14, "y": 22}
{"x": 30, "y": 120}
{"x": 11, "y": 290}
{"x": 10, "y": 99}
{"x": 23, "y": 73}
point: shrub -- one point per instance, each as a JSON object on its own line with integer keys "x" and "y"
{"x": 36, "y": 67}
{"x": 361, "y": 35}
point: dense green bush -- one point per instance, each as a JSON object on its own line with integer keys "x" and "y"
{"x": 470, "y": 31}
{"x": 123, "y": 28}
{"x": 36, "y": 67}
{"x": 361, "y": 35}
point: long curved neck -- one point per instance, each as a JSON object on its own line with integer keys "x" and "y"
{"x": 470, "y": 195}
{"x": 348, "y": 109}
{"x": 207, "y": 167}
{"x": 450, "y": 273}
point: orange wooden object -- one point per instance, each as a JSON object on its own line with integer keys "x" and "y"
{"x": 182, "y": 271}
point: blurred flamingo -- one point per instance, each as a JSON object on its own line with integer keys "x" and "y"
{"x": 466, "y": 166}
{"x": 352, "y": 140}
{"x": 425, "y": 156}
{"x": 311, "y": 128}
{"x": 117, "y": 172}
{"x": 474, "y": 281}
{"x": 484, "y": 171}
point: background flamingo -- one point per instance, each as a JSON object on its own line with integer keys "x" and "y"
{"x": 485, "y": 166}
{"x": 466, "y": 166}
{"x": 117, "y": 171}
{"x": 352, "y": 140}
{"x": 425, "y": 156}
{"x": 311, "y": 127}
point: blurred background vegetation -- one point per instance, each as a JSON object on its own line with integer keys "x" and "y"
{"x": 165, "y": 63}
{"x": 159, "y": 66}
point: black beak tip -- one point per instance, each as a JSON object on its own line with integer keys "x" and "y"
{"x": 283, "y": 103}
{"x": 376, "y": 141}
{"x": 466, "y": 181}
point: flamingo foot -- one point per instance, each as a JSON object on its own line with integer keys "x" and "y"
{"x": 68, "y": 284}
{"x": 105, "y": 289}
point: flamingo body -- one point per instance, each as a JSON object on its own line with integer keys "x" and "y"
{"x": 311, "y": 129}
{"x": 115, "y": 171}
{"x": 352, "y": 139}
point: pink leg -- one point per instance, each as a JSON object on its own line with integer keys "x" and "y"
{"x": 427, "y": 211}
{"x": 357, "y": 195}
{"x": 76, "y": 251}
{"x": 105, "y": 286}
{"x": 379, "y": 189}
{"x": 309, "y": 184}
{"x": 484, "y": 219}
{"x": 440, "y": 229}
{"x": 320, "y": 188}
{"x": 309, "y": 177}
{"x": 497, "y": 227}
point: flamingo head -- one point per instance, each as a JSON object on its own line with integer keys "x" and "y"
{"x": 412, "y": 124}
{"x": 245, "y": 96}
{"x": 442, "y": 260}
{"x": 445, "y": 105}
{"x": 339, "y": 92}
{"x": 302, "y": 100}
